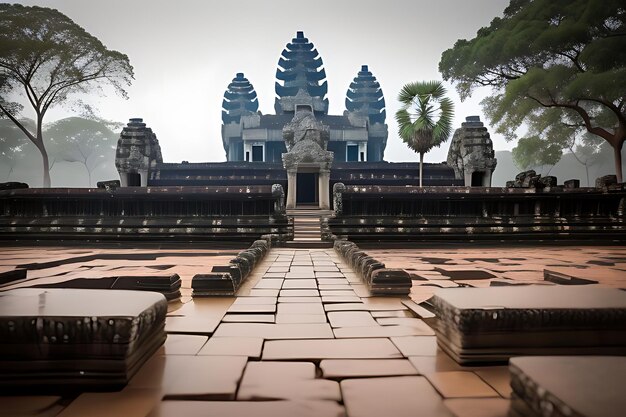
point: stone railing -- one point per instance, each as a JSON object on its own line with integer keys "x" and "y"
{"x": 226, "y": 279}
{"x": 448, "y": 214}
{"x": 150, "y": 214}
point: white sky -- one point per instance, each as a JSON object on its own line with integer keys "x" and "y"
{"x": 185, "y": 53}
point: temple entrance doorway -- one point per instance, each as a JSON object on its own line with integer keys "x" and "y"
{"x": 134, "y": 179}
{"x": 307, "y": 188}
{"x": 477, "y": 179}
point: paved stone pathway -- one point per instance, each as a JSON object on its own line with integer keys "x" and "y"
{"x": 304, "y": 337}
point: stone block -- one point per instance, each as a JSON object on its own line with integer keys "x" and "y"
{"x": 571, "y": 184}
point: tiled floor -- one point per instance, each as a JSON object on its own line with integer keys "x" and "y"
{"x": 304, "y": 337}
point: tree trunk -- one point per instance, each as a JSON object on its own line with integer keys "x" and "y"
{"x": 44, "y": 154}
{"x": 617, "y": 152}
{"x": 421, "y": 168}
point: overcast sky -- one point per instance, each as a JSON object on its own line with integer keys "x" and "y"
{"x": 186, "y": 52}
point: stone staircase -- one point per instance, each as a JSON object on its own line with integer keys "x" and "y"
{"x": 306, "y": 225}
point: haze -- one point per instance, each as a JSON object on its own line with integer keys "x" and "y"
{"x": 185, "y": 53}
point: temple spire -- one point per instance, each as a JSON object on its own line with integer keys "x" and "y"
{"x": 239, "y": 99}
{"x": 300, "y": 72}
{"x": 366, "y": 97}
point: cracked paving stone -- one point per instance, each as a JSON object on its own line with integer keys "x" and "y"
{"x": 248, "y": 318}
{"x": 379, "y": 331}
{"x": 191, "y": 377}
{"x": 300, "y": 318}
{"x": 290, "y": 381}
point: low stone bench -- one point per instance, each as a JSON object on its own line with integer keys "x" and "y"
{"x": 485, "y": 325}
{"x": 57, "y": 341}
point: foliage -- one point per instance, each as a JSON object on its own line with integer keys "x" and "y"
{"x": 533, "y": 151}
{"x": 559, "y": 66}
{"x": 425, "y": 119}
{"x": 48, "y": 58}
{"x": 85, "y": 141}
{"x": 13, "y": 145}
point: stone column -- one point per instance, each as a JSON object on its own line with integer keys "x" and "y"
{"x": 123, "y": 179}
{"x": 292, "y": 178}
{"x": 144, "y": 177}
{"x": 324, "y": 189}
{"x": 468, "y": 178}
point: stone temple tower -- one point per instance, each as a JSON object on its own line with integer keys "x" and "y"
{"x": 471, "y": 153}
{"x": 138, "y": 152}
{"x": 300, "y": 69}
{"x": 240, "y": 100}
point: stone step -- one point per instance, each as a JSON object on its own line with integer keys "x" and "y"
{"x": 304, "y": 244}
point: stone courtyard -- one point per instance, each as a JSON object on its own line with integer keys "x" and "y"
{"x": 304, "y": 336}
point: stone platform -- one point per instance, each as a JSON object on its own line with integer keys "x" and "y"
{"x": 304, "y": 337}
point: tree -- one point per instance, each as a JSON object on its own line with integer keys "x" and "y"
{"x": 48, "y": 58}
{"x": 425, "y": 119}
{"x": 532, "y": 152}
{"x": 553, "y": 65}
{"x": 86, "y": 141}
{"x": 13, "y": 144}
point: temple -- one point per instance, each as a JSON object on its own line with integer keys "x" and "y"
{"x": 265, "y": 149}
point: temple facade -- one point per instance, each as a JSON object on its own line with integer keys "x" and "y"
{"x": 301, "y": 147}
{"x": 359, "y": 135}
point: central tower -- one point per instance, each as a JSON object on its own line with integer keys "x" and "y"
{"x": 301, "y": 71}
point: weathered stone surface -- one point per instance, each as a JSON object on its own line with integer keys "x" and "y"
{"x": 471, "y": 151}
{"x": 248, "y": 408}
{"x": 403, "y": 396}
{"x": 330, "y": 349}
{"x": 460, "y": 384}
{"x": 356, "y": 368}
{"x": 290, "y": 381}
{"x": 580, "y": 386}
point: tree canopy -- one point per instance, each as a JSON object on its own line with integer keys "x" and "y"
{"x": 46, "y": 58}
{"x": 84, "y": 141}
{"x": 425, "y": 119}
{"x": 557, "y": 66}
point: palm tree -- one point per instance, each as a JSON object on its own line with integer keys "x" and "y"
{"x": 425, "y": 119}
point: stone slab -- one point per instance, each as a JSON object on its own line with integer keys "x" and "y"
{"x": 191, "y": 377}
{"x": 416, "y": 345}
{"x": 460, "y": 384}
{"x": 478, "y": 407}
{"x": 300, "y": 284}
{"x": 299, "y": 293}
{"x": 405, "y": 396}
{"x": 128, "y": 402}
{"x": 289, "y": 380}
{"x": 572, "y": 385}
{"x": 248, "y": 408}
{"x": 300, "y": 308}
{"x": 233, "y": 346}
{"x": 380, "y": 331}
{"x": 248, "y": 318}
{"x": 275, "y": 331}
{"x": 300, "y": 318}
{"x": 183, "y": 344}
{"x": 498, "y": 377}
{"x": 358, "y": 368}
{"x": 350, "y": 319}
{"x": 330, "y": 349}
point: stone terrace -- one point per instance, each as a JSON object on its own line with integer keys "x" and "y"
{"x": 304, "y": 337}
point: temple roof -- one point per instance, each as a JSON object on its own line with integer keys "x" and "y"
{"x": 239, "y": 99}
{"x": 365, "y": 96}
{"x": 300, "y": 68}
